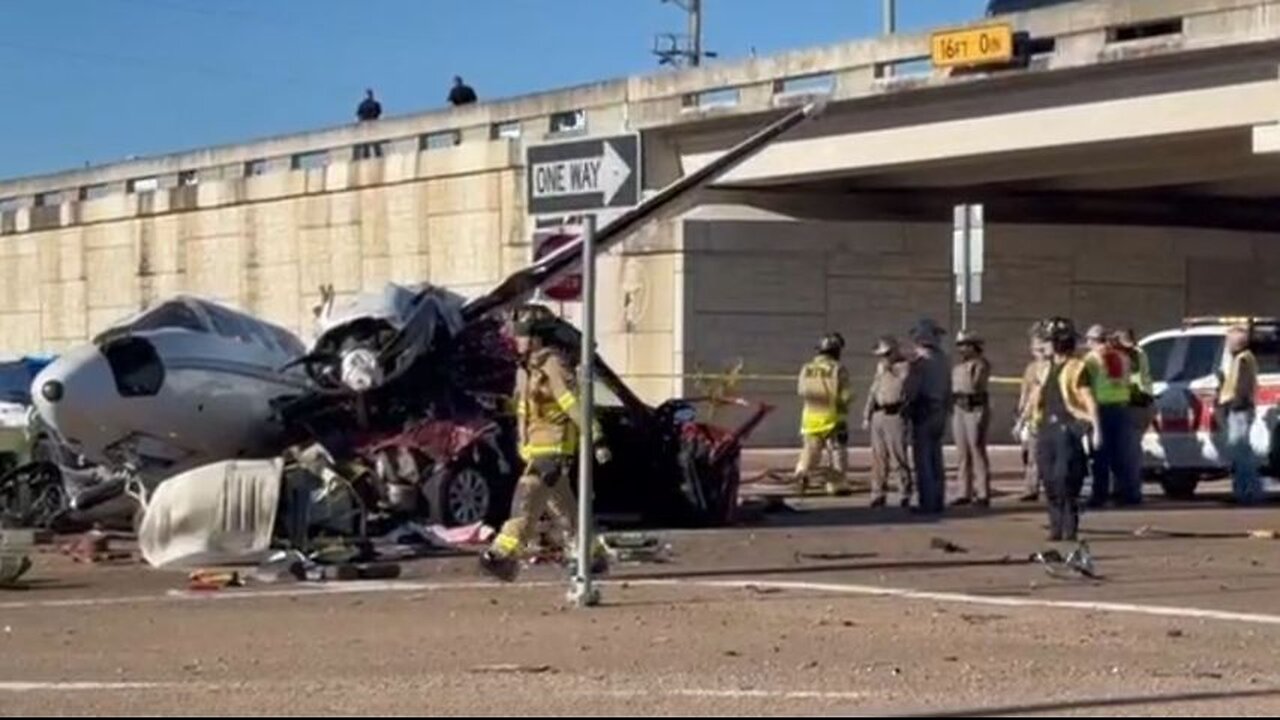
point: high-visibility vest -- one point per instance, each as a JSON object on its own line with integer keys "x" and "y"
{"x": 1140, "y": 374}
{"x": 1068, "y": 384}
{"x": 1242, "y": 364}
{"x": 823, "y": 385}
{"x": 1111, "y": 376}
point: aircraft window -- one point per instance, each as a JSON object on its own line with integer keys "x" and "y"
{"x": 136, "y": 367}
{"x": 287, "y": 342}
{"x": 230, "y": 326}
{"x": 169, "y": 315}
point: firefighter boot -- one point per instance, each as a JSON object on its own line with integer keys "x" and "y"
{"x": 499, "y": 566}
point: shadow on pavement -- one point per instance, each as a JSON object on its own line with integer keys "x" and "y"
{"x": 1086, "y": 704}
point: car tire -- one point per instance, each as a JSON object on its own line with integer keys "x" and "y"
{"x": 476, "y": 490}
{"x": 1180, "y": 486}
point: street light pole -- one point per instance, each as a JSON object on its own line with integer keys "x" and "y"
{"x": 889, "y": 16}
{"x": 695, "y": 32}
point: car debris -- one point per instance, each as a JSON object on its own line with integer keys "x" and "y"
{"x": 636, "y": 548}
{"x": 402, "y": 389}
{"x": 1078, "y": 563}
{"x": 946, "y": 546}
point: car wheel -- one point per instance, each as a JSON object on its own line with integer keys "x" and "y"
{"x": 466, "y": 497}
{"x": 1180, "y": 487}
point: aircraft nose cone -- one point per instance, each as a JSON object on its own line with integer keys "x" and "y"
{"x": 52, "y": 391}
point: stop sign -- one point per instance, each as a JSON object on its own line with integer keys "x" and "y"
{"x": 569, "y": 287}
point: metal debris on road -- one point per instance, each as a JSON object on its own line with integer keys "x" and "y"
{"x": 1078, "y": 563}
{"x": 636, "y": 548}
{"x": 512, "y": 668}
{"x": 209, "y": 580}
{"x": 12, "y": 568}
{"x": 946, "y": 546}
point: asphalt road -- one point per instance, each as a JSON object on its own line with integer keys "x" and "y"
{"x": 828, "y": 608}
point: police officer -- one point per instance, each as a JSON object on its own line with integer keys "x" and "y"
{"x": 547, "y": 416}
{"x": 1025, "y": 426}
{"x": 1237, "y": 400}
{"x": 928, "y": 397}
{"x": 885, "y": 418}
{"x": 1110, "y": 374}
{"x": 1065, "y": 413}
{"x": 823, "y": 386}
{"x": 970, "y": 379}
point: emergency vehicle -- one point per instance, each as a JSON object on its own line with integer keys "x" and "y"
{"x": 1185, "y": 442}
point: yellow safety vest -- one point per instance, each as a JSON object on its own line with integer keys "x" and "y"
{"x": 1230, "y": 384}
{"x": 1111, "y": 377}
{"x": 1068, "y": 384}
{"x": 1140, "y": 377}
{"x": 547, "y": 408}
{"x": 824, "y": 387}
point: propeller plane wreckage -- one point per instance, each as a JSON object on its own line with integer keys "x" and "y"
{"x": 219, "y": 437}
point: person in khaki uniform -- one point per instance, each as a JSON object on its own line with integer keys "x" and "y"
{"x": 547, "y": 415}
{"x": 1237, "y": 400}
{"x": 970, "y": 379}
{"x": 885, "y": 418}
{"x": 823, "y": 386}
{"x": 1025, "y": 426}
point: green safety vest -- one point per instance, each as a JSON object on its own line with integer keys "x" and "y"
{"x": 824, "y": 387}
{"x": 1111, "y": 377}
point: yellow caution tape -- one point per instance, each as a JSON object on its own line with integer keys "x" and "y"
{"x": 726, "y": 377}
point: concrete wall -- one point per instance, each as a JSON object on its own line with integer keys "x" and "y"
{"x": 764, "y": 289}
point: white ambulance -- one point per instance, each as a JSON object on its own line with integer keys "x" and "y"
{"x": 1185, "y": 442}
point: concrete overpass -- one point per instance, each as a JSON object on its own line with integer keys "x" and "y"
{"x": 1127, "y": 169}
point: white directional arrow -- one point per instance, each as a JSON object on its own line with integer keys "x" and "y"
{"x": 614, "y": 172}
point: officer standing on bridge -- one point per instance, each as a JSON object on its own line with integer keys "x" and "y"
{"x": 885, "y": 418}
{"x": 823, "y": 387}
{"x": 970, "y": 379}
{"x": 928, "y": 397}
{"x": 1065, "y": 413}
{"x": 546, "y": 406}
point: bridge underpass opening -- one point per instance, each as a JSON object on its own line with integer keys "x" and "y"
{"x": 1137, "y": 234}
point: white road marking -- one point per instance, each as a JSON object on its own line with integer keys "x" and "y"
{"x": 19, "y": 687}
{"x": 996, "y": 600}
{"x": 407, "y": 586}
{"x": 732, "y": 694}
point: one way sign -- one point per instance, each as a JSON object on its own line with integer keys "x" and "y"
{"x": 584, "y": 175}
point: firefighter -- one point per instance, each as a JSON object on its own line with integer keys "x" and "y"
{"x": 1110, "y": 375}
{"x": 1065, "y": 413}
{"x": 823, "y": 386}
{"x": 1025, "y": 428}
{"x": 928, "y": 397}
{"x": 1237, "y": 400}
{"x": 547, "y": 416}
{"x": 970, "y": 379}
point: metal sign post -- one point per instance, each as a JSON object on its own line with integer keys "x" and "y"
{"x": 968, "y": 239}
{"x": 584, "y": 593}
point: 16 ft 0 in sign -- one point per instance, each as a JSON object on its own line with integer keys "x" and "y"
{"x": 972, "y": 46}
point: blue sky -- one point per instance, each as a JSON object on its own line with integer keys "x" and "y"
{"x": 99, "y": 80}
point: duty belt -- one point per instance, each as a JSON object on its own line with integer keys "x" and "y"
{"x": 970, "y": 401}
{"x": 889, "y": 409}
